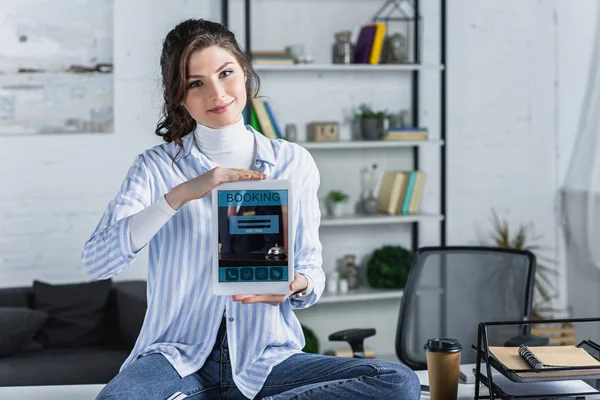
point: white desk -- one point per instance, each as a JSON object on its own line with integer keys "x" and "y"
{"x": 465, "y": 391}
{"x": 84, "y": 392}
{"x": 62, "y": 392}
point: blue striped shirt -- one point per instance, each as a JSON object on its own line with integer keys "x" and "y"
{"x": 183, "y": 315}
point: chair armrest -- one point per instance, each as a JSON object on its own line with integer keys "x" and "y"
{"x": 131, "y": 308}
{"x": 355, "y": 338}
{"x": 352, "y": 334}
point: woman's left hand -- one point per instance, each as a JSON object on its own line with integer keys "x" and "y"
{"x": 299, "y": 284}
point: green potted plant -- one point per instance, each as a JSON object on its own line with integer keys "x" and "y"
{"x": 388, "y": 267}
{"x": 312, "y": 342}
{"x": 336, "y": 202}
{"x": 371, "y": 122}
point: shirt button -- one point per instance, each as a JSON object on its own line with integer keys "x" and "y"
{"x": 257, "y": 163}
{"x": 230, "y": 319}
{"x": 130, "y": 257}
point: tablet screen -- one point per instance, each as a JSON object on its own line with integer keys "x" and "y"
{"x": 253, "y": 242}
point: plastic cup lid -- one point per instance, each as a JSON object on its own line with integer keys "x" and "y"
{"x": 443, "y": 345}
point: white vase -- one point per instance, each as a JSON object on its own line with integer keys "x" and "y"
{"x": 337, "y": 209}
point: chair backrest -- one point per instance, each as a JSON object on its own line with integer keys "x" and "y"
{"x": 451, "y": 289}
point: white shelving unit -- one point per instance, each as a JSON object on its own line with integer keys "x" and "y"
{"x": 350, "y": 150}
{"x": 362, "y": 294}
{"x": 346, "y": 67}
{"x": 370, "y": 294}
{"x": 304, "y": 93}
{"x": 367, "y": 144}
{"x": 358, "y": 219}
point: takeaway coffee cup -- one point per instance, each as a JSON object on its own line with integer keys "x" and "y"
{"x": 443, "y": 368}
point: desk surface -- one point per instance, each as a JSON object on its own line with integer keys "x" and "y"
{"x": 465, "y": 391}
{"x": 78, "y": 392}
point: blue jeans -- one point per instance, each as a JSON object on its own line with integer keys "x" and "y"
{"x": 301, "y": 376}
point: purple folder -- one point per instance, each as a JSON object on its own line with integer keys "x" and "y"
{"x": 364, "y": 44}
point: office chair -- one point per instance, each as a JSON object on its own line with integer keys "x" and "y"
{"x": 449, "y": 291}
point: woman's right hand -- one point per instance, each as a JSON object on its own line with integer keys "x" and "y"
{"x": 201, "y": 185}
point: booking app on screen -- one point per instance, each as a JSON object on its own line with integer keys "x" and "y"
{"x": 253, "y": 235}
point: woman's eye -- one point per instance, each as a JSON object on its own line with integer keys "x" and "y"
{"x": 194, "y": 84}
{"x": 225, "y": 73}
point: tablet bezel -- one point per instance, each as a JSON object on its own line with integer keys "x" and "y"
{"x": 257, "y": 288}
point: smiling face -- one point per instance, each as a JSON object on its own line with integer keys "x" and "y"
{"x": 216, "y": 87}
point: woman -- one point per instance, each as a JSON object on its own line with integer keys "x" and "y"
{"x": 193, "y": 343}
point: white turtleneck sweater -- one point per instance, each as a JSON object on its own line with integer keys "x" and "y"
{"x": 230, "y": 147}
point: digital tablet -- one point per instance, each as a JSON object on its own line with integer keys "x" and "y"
{"x": 252, "y": 237}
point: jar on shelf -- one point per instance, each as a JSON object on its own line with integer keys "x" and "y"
{"x": 350, "y": 271}
{"x": 291, "y": 133}
{"x": 342, "y": 48}
{"x": 332, "y": 282}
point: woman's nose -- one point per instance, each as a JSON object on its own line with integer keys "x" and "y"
{"x": 217, "y": 91}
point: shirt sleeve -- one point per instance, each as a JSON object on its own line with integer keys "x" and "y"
{"x": 108, "y": 250}
{"x": 147, "y": 223}
{"x": 307, "y": 245}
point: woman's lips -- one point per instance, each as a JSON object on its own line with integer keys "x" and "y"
{"x": 221, "y": 109}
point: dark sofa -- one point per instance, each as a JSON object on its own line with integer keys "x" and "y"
{"x": 72, "y": 346}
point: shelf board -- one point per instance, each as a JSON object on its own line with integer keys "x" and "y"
{"x": 347, "y": 67}
{"x": 367, "y": 144}
{"x": 380, "y": 219}
{"x": 361, "y": 294}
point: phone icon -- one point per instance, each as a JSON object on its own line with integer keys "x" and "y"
{"x": 231, "y": 274}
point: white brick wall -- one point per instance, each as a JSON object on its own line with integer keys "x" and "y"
{"x": 503, "y": 136}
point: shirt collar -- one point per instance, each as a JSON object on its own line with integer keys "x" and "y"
{"x": 266, "y": 149}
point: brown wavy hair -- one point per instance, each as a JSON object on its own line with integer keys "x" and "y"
{"x": 181, "y": 42}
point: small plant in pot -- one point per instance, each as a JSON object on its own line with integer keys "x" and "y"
{"x": 336, "y": 203}
{"x": 371, "y": 122}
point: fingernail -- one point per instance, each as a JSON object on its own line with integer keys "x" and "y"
{"x": 293, "y": 287}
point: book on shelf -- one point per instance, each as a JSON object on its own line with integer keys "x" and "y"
{"x": 405, "y": 133}
{"x": 400, "y": 192}
{"x": 369, "y": 45}
{"x": 272, "y": 57}
{"x": 262, "y": 119}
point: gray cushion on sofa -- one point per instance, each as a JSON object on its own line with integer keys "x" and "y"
{"x": 76, "y": 313}
{"x": 18, "y": 325}
{"x": 53, "y": 366}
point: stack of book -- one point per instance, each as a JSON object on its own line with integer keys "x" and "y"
{"x": 275, "y": 57}
{"x": 262, "y": 119}
{"x": 401, "y": 191}
{"x": 404, "y": 133}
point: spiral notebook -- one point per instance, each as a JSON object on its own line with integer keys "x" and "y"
{"x": 571, "y": 357}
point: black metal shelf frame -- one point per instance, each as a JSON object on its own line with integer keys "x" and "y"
{"x": 415, "y": 98}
